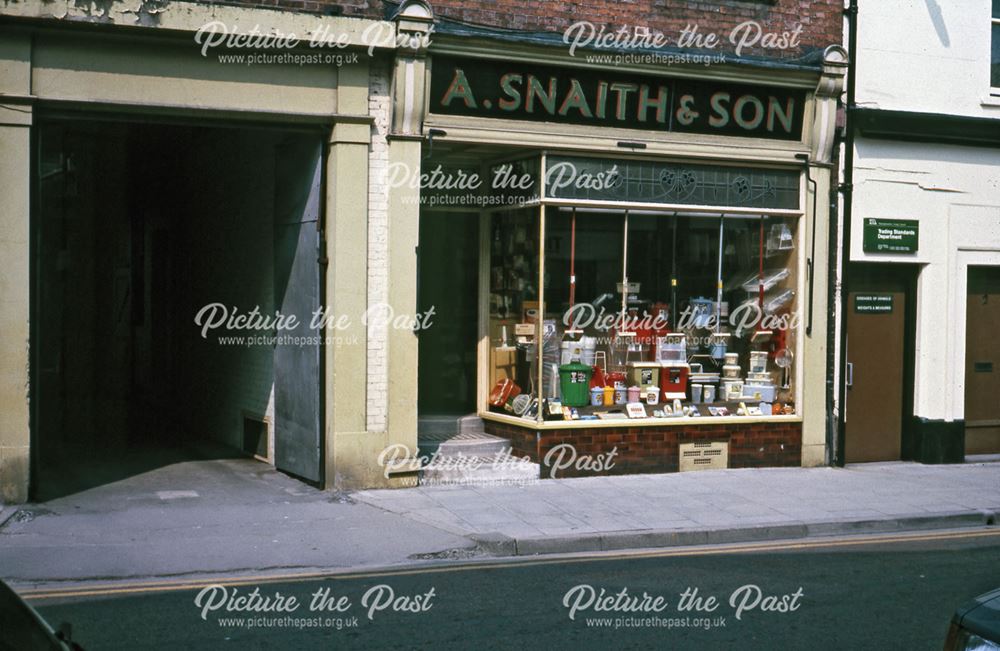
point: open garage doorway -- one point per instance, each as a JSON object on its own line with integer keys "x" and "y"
{"x": 144, "y": 235}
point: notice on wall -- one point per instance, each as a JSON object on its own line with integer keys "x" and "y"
{"x": 891, "y": 235}
{"x": 873, "y": 303}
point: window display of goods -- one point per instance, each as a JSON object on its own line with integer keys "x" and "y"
{"x": 633, "y": 312}
{"x": 769, "y": 279}
{"x": 574, "y": 381}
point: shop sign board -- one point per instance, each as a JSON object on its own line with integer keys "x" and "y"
{"x": 873, "y": 303}
{"x": 526, "y": 91}
{"x": 891, "y": 235}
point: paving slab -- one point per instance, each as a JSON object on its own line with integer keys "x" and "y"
{"x": 716, "y": 506}
{"x": 212, "y": 517}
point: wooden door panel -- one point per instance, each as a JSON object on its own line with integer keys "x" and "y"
{"x": 875, "y": 349}
{"x": 982, "y": 361}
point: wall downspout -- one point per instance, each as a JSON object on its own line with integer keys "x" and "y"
{"x": 847, "y": 190}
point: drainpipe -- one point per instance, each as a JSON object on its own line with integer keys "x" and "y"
{"x": 831, "y": 299}
{"x": 847, "y": 190}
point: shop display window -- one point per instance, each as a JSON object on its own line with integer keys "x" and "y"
{"x": 642, "y": 314}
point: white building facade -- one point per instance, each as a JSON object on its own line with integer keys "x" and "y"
{"x": 921, "y": 300}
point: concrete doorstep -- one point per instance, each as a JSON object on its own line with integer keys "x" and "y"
{"x": 704, "y": 508}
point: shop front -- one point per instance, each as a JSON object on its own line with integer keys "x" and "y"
{"x": 651, "y": 263}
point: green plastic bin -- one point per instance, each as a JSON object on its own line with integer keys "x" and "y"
{"x": 574, "y": 381}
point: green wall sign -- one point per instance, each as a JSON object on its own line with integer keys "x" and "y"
{"x": 891, "y": 235}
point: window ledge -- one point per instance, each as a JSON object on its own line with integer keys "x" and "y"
{"x": 636, "y": 422}
{"x": 990, "y": 101}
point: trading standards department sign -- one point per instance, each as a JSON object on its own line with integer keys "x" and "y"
{"x": 891, "y": 235}
{"x": 526, "y": 91}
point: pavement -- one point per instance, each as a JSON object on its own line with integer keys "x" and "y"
{"x": 708, "y": 507}
{"x": 195, "y": 518}
{"x": 232, "y": 516}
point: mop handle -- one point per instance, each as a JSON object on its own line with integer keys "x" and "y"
{"x": 718, "y": 296}
{"x": 572, "y": 263}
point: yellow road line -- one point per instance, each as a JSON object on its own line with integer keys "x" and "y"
{"x": 587, "y": 557}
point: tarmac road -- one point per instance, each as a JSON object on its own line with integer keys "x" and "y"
{"x": 873, "y": 592}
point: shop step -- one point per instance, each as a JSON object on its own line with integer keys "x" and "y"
{"x": 482, "y": 470}
{"x": 435, "y": 426}
{"x": 471, "y": 424}
{"x": 470, "y": 444}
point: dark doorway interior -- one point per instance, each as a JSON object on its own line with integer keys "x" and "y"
{"x": 449, "y": 280}
{"x": 136, "y": 229}
{"x": 982, "y": 362}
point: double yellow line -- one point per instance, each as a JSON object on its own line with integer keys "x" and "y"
{"x": 124, "y": 588}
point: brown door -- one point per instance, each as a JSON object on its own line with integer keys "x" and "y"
{"x": 982, "y": 362}
{"x": 876, "y": 322}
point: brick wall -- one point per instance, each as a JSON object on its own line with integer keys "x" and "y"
{"x": 656, "y": 449}
{"x": 821, "y": 20}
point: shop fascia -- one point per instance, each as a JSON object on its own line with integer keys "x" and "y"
{"x": 540, "y": 93}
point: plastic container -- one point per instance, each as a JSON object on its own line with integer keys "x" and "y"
{"x": 615, "y": 379}
{"x": 674, "y": 381}
{"x": 621, "y": 395}
{"x": 709, "y": 393}
{"x": 582, "y": 350}
{"x": 671, "y": 348}
{"x": 644, "y": 374}
{"x": 731, "y": 371}
{"x": 609, "y": 396}
{"x": 597, "y": 396}
{"x": 634, "y": 394}
{"x": 760, "y": 392}
{"x": 696, "y": 393}
{"x": 571, "y": 350}
{"x": 503, "y": 391}
{"x": 770, "y": 278}
{"x": 718, "y": 345}
{"x": 574, "y": 380}
{"x": 652, "y": 395}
